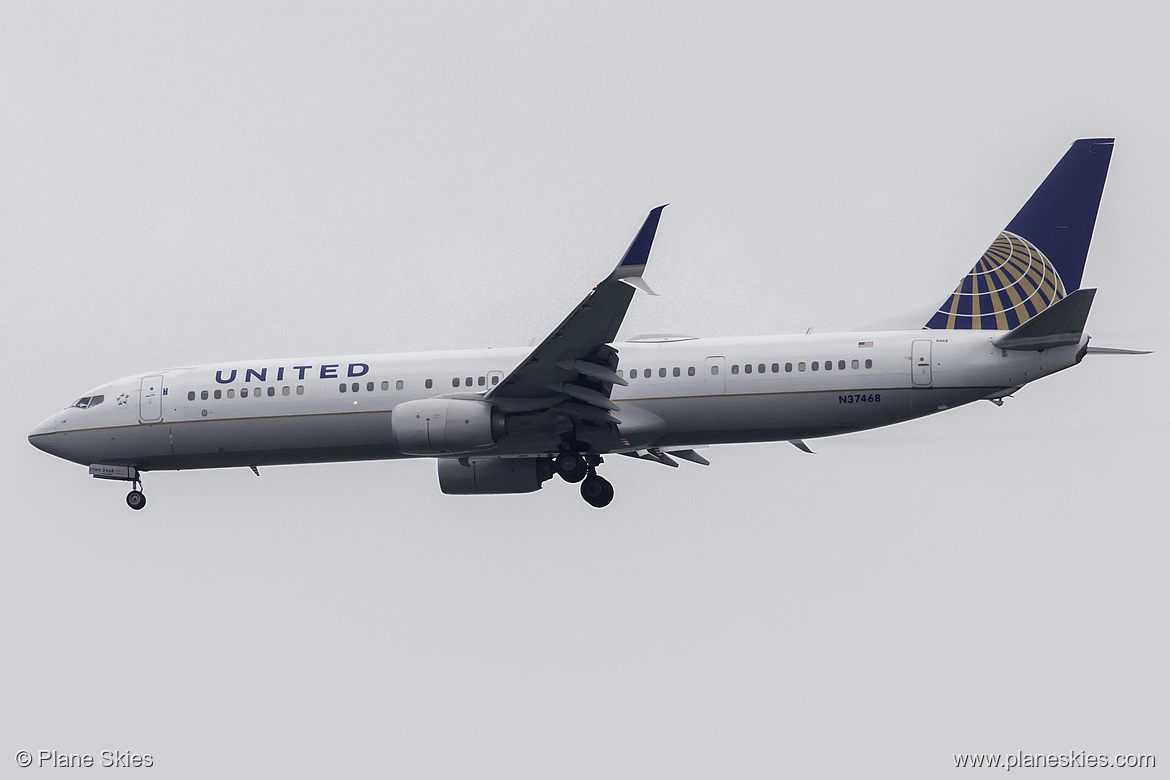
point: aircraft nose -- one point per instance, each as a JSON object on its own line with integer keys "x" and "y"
{"x": 43, "y": 433}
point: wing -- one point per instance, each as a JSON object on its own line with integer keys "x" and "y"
{"x": 573, "y": 370}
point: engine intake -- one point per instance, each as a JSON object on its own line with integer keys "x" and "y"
{"x": 445, "y": 426}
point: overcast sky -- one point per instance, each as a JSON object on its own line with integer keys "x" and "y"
{"x": 207, "y": 182}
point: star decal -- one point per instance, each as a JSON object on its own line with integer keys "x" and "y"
{"x": 122, "y": 399}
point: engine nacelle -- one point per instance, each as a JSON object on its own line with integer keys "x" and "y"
{"x": 445, "y": 426}
{"x": 493, "y": 475}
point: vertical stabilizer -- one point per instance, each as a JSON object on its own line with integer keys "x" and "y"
{"x": 1039, "y": 257}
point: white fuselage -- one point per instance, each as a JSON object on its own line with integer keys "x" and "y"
{"x": 681, "y": 393}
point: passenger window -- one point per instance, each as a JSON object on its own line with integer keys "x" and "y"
{"x": 455, "y": 382}
{"x": 354, "y": 387}
{"x": 815, "y": 365}
{"x": 385, "y": 385}
{"x": 218, "y": 394}
{"x": 271, "y": 391}
{"x": 481, "y": 381}
{"x": 429, "y": 384}
{"x": 714, "y": 370}
{"x": 190, "y": 397}
{"x": 677, "y": 371}
{"x": 369, "y": 387}
{"x": 690, "y": 370}
{"x": 855, "y": 364}
{"x": 231, "y": 393}
{"x": 735, "y": 368}
{"x": 800, "y": 366}
{"x": 868, "y": 363}
{"x": 341, "y": 388}
{"x": 747, "y": 368}
{"x": 775, "y": 368}
{"x": 662, "y": 372}
{"x": 788, "y": 368}
{"x": 243, "y": 393}
{"x": 300, "y": 389}
{"x": 760, "y": 368}
{"x": 495, "y": 380}
{"x": 828, "y": 365}
{"x": 398, "y": 385}
{"x": 285, "y": 390}
{"x": 203, "y": 396}
{"x": 468, "y": 381}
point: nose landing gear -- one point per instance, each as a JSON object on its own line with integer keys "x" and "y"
{"x": 136, "y": 499}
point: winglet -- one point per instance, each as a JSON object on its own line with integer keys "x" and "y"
{"x": 633, "y": 262}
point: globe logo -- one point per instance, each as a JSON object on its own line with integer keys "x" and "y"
{"x": 1010, "y": 284}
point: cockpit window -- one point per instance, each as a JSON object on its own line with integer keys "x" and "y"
{"x": 88, "y": 401}
{"x": 97, "y": 399}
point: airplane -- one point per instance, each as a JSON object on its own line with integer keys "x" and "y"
{"x": 508, "y": 420}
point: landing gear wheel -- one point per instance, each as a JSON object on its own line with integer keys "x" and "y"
{"x": 571, "y": 466}
{"x": 136, "y": 499}
{"x": 596, "y": 491}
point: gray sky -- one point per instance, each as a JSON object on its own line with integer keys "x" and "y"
{"x": 193, "y": 183}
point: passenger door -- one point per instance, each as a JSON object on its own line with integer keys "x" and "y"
{"x": 150, "y": 399}
{"x": 920, "y": 362}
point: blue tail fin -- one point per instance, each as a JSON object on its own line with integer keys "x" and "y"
{"x": 1040, "y": 256}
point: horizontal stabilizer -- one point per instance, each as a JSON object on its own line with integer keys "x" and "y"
{"x": 1117, "y": 351}
{"x": 1060, "y": 325}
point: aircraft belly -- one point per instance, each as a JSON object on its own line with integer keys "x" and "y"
{"x": 283, "y": 439}
{"x": 779, "y": 416}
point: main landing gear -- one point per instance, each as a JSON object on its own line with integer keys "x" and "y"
{"x": 596, "y": 490}
{"x": 574, "y": 466}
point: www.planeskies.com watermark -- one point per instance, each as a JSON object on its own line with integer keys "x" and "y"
{"x": 1074, "y": 759}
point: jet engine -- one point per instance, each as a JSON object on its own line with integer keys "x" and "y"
{"x": 445, "y": 426}
{"x": 492, "y": 475}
